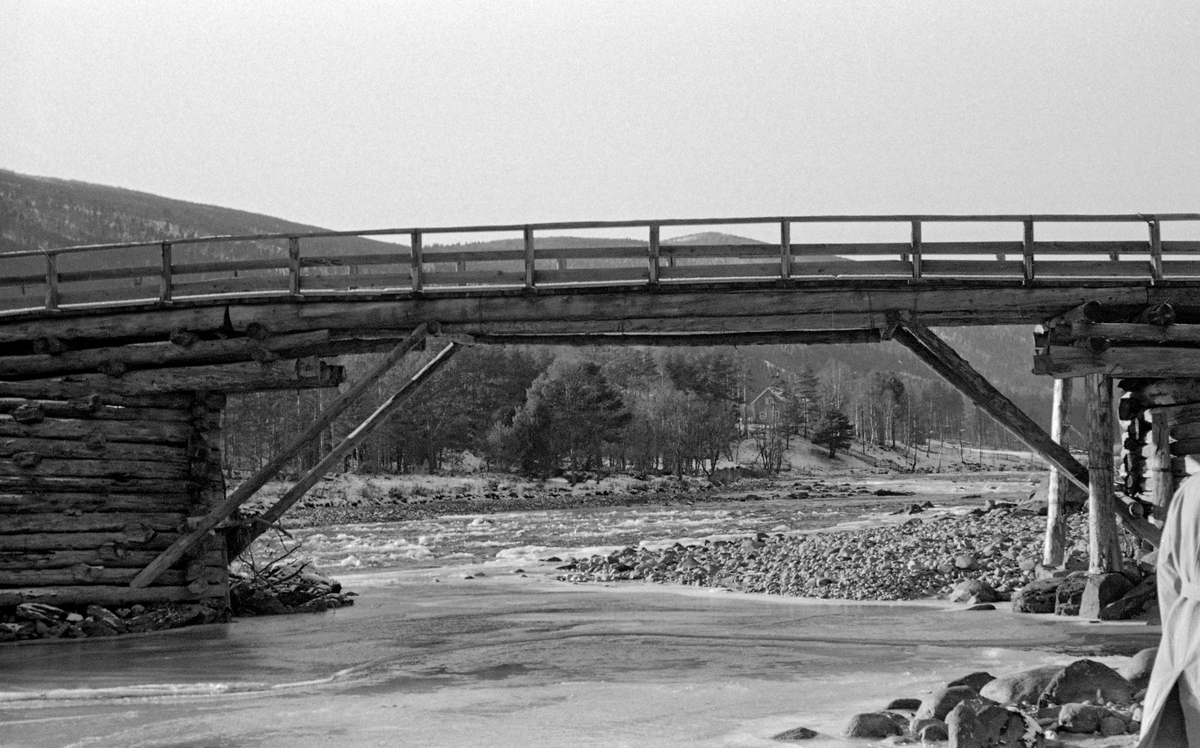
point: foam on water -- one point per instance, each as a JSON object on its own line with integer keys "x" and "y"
{"x": 564, "y": 532}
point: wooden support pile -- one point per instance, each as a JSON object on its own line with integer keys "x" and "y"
{"x": 92, "y": 489}
{"x": 1155, "y": 352}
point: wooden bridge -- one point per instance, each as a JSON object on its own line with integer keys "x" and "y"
{"x": 115, "y": 359}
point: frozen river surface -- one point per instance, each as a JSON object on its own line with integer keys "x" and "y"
{"x": 428, "y": 657}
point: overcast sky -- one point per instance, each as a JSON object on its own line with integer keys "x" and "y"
{"x": 359, "y": 115}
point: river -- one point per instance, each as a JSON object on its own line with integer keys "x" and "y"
{"x": 512, "y": 657}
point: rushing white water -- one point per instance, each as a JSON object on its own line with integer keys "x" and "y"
{"x": 467, "y": 539}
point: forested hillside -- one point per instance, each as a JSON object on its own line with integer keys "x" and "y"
{"x": 540, "y": 410}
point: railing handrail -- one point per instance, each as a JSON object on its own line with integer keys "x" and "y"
{"x": 587, "y": 225}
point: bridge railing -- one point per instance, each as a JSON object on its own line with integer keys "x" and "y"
{"x": 411, "y": 260}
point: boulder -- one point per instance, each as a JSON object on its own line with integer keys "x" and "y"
{"x": 1006, "y": 727}
{"x": 975, "y": 680}
{"x": 939, "y": 703}
{"x": 964, "y": 728}
{"x": 1101, "y": 590}
{"x": 796, "y": 733}
{"x": 1133, "y": 602}
{"x": 1069, "y": 594}
{"x": 966, "y": 562}
{"x": 1113, "y": 725}
{"x": 907, "y": 705}
{"x": 98, "y": 627}
{"x": 973, "y": 591}
{"x": 1036, "y": 597}
{"x": 1081, "y": 719}
{"x": 1087, "y": 680}
{"x": 1020, "y": 688}
{"x": 873, "y": 725}
{"x": 931, "y": 731}
{"x": 975, "y": 724}
{"x": 1137, "y": 670}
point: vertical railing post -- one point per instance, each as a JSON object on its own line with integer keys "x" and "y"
{"x": 916, "y": 250}
{"x": 294, "y": 265}
{"x": 530, "y": 259}
{"x": 164, "y": 290}
{"x": 1027, "y": 251}
{"x": 785, "y": 250}
{"x": 418, "y": 271}
{"x": 51, "y": 280}
{"x": 1156, "y": 260}
{"x": 653, "y": 254}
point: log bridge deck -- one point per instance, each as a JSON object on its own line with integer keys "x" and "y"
{"x": 115, "y": 358}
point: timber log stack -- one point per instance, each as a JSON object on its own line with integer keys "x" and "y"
{"x": 1153, "y": 355}
{"x": 93, "y": 488}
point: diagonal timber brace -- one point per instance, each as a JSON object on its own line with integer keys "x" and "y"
{"x": 944, "y": 360}
{"x": 247, "y": 489}
{"x": 352, "y": 440}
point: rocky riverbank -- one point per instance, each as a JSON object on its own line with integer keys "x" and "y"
{"x": 922, "y": 553}
{"x": 1029, "y": 709}
{"x": 285, "y": 588}
{"x": 981, "y": 556}
{"x": 976, "y": 557}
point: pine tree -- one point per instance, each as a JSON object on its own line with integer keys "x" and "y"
{"x": 833, "y": 432}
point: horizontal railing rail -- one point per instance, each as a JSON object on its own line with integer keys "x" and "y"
{"x": 275, "y": 264}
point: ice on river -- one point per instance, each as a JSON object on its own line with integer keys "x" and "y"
{"x": 505, "y": 660}
{"x": 428, "y": 657}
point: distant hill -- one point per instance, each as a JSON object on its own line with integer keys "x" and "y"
{"x": 41, "y": 212}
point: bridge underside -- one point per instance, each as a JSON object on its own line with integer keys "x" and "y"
{"x": 500, "y": 314}
{"x": 76, "y": 365}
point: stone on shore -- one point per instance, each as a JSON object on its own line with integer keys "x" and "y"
{"x": 1101, "y": 590}
{"x": 796, "y": 733}
{"x": 940, "y": 702}
{"x": 975, "y": 680}
{"x": 932, "y": 731}
{"x": 973, "y": 591}
{"x": 1039, "y": 596}
{"x": 1087, "y": 680}
{"x": 975, "y": 724}
{"x": 1137, "y": 670}
{"x": 1021, "y": 688}
{"x": 1081, "y": 719}
{"x": 1070, "y": 594}
{"x": 1133, "y": 602}
{"x": 876, "y": 725}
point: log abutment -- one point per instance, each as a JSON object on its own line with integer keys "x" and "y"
{"x": 93, "y": 488}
